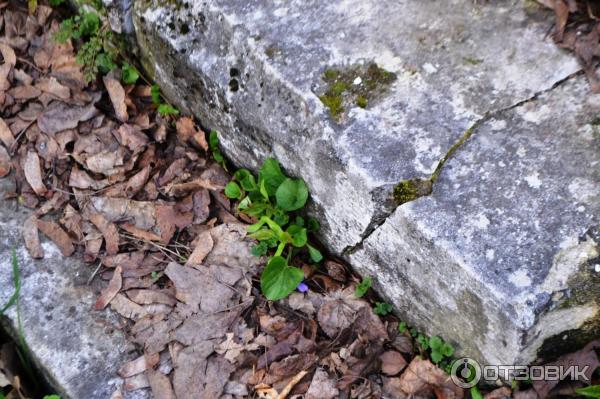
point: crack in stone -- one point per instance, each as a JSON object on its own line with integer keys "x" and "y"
{"x": 411, "y": 189}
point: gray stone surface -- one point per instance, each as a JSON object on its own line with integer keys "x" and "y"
{"x": 482, "y": 260}
{"x": 77, "y": 349}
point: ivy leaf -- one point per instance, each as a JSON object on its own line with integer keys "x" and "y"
{"x": 129, "y": 74}
{"x": 278, "y": 280}
{"x": 315, "y": 254}
{"x": 292, "y": 194}
{"x": 233, "y": 191}
{"x": 362, "y": 287}
{"x": 271, "y": 175}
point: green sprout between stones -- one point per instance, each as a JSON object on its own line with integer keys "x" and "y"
{"x": 382, "y": 308}
{"x": 275, "y": 201}
{"x": 362, "y": 287}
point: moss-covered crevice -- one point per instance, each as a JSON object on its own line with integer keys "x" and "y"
{"x": 358, "y": 85}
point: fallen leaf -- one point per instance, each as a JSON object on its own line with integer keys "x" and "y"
{"x": 422, "y": 377}
{"x": 139, "y": 233}
{"x": 137, "y": 182}
{"x": 108, "y": 230}
{"x": 6, "y": 135}
{"x": 138, "y": 381}
{"x": 127, "y": 308}
{"x": 58, "y": 236}
{"x": 142, "y": 213}
{"x": 339, "y": 310}
{"x": 144, "y": 297}
{"x": 107, "y": 294}
{"x": 201, "y": 202}
{"x": 32, "y": 239}
{"x": 117, "y": 97}
{"x": 583, "y": 358}
{"x": 322, "y": 386}
{"x": 132, "y": 137}
{"x": 185, "y": 128}
{"x": 392, "y": 362}
{"x": 52, "y": 86}
{"x": 160, "y": 384}
{"x": 203, "y": 247}
{"x": 138, "y": 365}
{"x": 230, "y": 349}
{"x": 33, "y": 173}
{"x": 60, "y": 116}
{"x": 5, "y": 162}
{"x": 25, "y": 92}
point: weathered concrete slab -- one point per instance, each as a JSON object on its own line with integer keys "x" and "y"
{"x": 77, "y": 349}
{"x": 504, "y": 254}
{"x": 257, "y": 71}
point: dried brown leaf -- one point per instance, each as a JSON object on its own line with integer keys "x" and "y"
{"x": 160, "y": 384}
{"x": 127, "y": 308}
{"x": 108, "y": 230}
{"x": 33, "y": 172}
{"x": 6, "y": 135}
{"x": 58, "y": 236}
{"x": 132, "y": 137}
{"x": 32, "y": 239}
{"x": 204, "y": 244}
{"x": 322, "y": 386}
{"x": 422, "y": 377}
{"x": 392, "y": 362}
{"x": 60, "y": 116}
{"x": 5, "y": 162}
{"x": 52, "y": 86}
{"x": 144, "y": 297}
{"x": 113, "y": 288}
{"x": 138, "y": 365}
{"x": 117, "y": 97}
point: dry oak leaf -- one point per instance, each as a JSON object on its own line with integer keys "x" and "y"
{"x": 322, "y": 386}
{"x": 111, "y": 290}
{"x": 58, "y": 236}
{"x": 60, "y": 116}
{"x": 138, "y": 365}
{"x": 160, "y": 384}
{"x": 117, "y": 97}
{"x": 127, "y": 308}
{"x": 53, "y": 86}
{"x": 33, "y": 172}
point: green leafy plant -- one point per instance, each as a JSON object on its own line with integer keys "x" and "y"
{"x": 213, "y": 143}
{"x": 97, "y": 53}
{"x": 55, "y": 3}
{"x": 129, "y": 75}
{"x": 274, "y": 200}
{"x": 362, "y": 288}
{"x": 402, "y": 327}
{"x": 167, "y": 109}
{"x": 51, "y": 397}
{"x": 383, "y": 308}
{"x": 439, "y": 349}
{"x": 475, "y": 394}
{"x": 593, "y": 391}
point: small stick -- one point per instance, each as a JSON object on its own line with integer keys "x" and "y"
{"x": 291, "y": 384}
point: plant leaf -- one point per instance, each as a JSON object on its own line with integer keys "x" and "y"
{"x": 271, "y": 175}
{"x": 233, "y": 190}
{"x": 278, "y": 280}
{"x": 435, "y": 342}
{"x": 291, "y": 194}
{"x": 298, "y": 235}
{"x": 315, "y": 254}
{"x": 592, "y": 391}
{"x": 362, "y": 287}
{"x": 129, "y": 74}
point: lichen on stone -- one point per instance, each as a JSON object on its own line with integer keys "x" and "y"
{"x": 411, "y": 189}
{"x": 357, "y": 85}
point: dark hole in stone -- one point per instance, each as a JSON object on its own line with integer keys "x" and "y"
{"x": 234, "y": 85}
{"x": 171, "y": 25}
{"x": 233, "y": 72}
{"x": 184, "y": 29}
{"x": 182, "y": 51}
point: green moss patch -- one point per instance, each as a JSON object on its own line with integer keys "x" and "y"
{"x": 410, "y": 190}
{"x": 358, "y": 85}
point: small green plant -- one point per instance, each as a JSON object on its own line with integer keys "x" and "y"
{"x": 383, "y": 308}
{"x": 275, "y": 200}
{"x": 51, "y": 397}
{"x": 593, "y": 391}
{"x": 167, "y": 109}
{"x": 55, "y": 3}
{"x": 213, "y": 144}
{"x": 129, "y": 75}
{"x": 475, "y": 394}
{"x": 362, "y": 287}
{"x": 97, "y": 53}
{"x": 402, "y": 327}
{"x": 163, "y": 109}
{"x": 440, "y": 350}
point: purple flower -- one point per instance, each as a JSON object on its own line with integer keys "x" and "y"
{"x": 302, "y": 287}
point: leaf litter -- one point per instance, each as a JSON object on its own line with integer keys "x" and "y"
{"x": 118, "y": 184}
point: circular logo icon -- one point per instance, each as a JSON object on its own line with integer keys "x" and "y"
{"x": 466, "y": 372}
